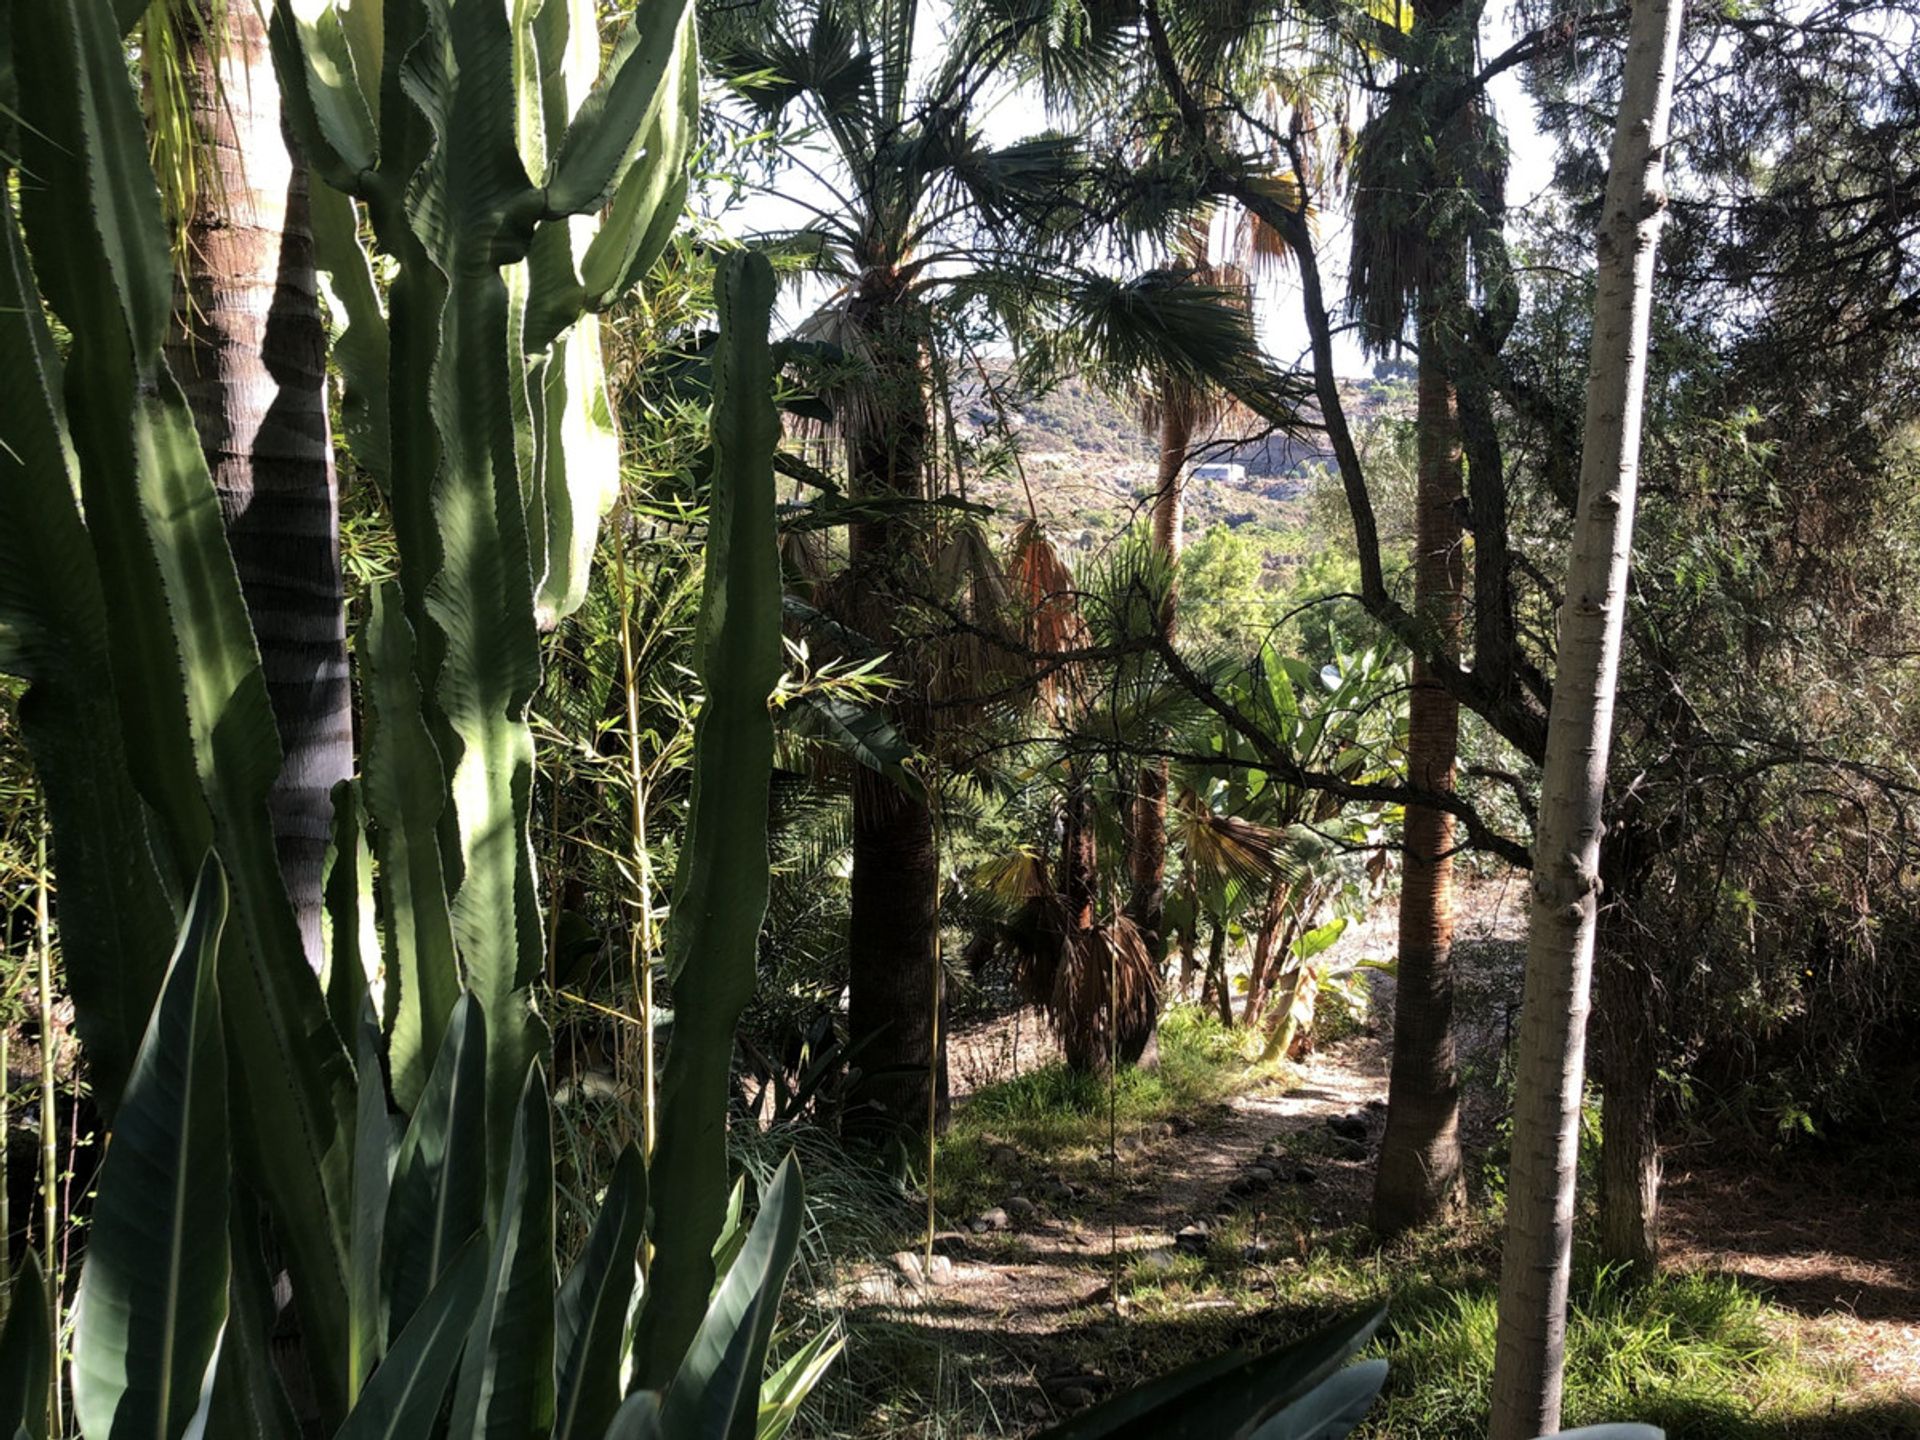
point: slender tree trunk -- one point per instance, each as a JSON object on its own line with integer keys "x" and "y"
{"x": 1627, "y": 1059}
{"x": 1420, "y": 1178}
{"x": 893, "y": 979}
{"x": 1530, "y": 1349}
{"x": 249, "y": 350}
{"x": 1214, "y": 990}
{"x": 1147, "y": 847}
{"x": 1261, "y": 972}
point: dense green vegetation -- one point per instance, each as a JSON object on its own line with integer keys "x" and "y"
{"x": 706, "y": 731}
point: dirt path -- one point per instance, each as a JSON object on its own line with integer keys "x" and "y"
{"x": 1035, "y": 1294}
{"x": 1022, "y": 1325}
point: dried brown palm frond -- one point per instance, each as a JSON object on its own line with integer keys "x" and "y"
{"x": 1047, "y": 604}
{"x": 974, "y": 654}
{"x": 1035, "y": 940}
{"x": 1106, "y": 995}
{"x": 806, "y": 564}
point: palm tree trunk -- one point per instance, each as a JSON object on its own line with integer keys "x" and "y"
{"x": 1627, "y": 1059}
{"x": 1420, "y": 1178}
{"x": 1530, "y": 1348}
{"x": 249, "y": 350}
{"x": 893, "y": 979}
{"x": 891, "y": 986}
{"x": 1147, "y": 841}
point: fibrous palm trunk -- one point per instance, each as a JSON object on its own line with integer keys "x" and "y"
{"x": 1627, "y": 1058}
{"x": 1530, "y": 1348}
{"x": 250, "y": 353}
{"x": 1147, "y": 841}
{"x": 893, "y": 980}
{"x": 1420, "y": 1178}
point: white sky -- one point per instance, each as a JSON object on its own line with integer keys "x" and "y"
{"x": 1019, "y": 113}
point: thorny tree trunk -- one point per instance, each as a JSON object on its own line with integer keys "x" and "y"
{"x": 894, "y": 987}
{"x": 1530, "y": 1349}
{"x": 1626, "y": 1059}
{"x": 1147, "y": 849}
{"x": 249, "y": 350}
{"x": 1420, "y": 1177}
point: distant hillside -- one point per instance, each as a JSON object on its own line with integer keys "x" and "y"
{"x": 1091, "y": 466}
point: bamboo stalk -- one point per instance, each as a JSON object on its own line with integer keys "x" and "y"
{"x": 49, "y": 1121}
{"x": 640, "y": 943}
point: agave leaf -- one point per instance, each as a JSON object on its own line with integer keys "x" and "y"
{"x": 787, "y": 1388}
{"x": 249, "y": 1402}
{"x": 723, "y": 1393}
{"x": 26, "y": 1353}
{"x": 1224, "y": 1396}
{"x": 638, "y": 1419}
{"x": 403, "y": 1399}
{"x": 719, "y": 1381}
{"x": 153, "y": 1293}
{"x": 437, "y": 1199}
{"x": 720, "y": 892}
{"x": 505, "y": 1390}
{"x": 1331, "y": 1409}
{"x": 374, "y": 1144}
{"x": 590, "y": 1313}
{"x": 116, "y": 918}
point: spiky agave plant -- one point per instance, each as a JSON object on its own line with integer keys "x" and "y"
{"x": 415, "y": 1221}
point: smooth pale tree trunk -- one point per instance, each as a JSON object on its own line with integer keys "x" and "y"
{"x": 1530, "y": 1348}
{"x": 249, "y": 350}
{"x": 1147, "y": 844}
{"x": 1420, "y": 1177}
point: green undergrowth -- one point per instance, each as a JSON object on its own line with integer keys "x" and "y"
{"x": 1701, "y": 1355}
{"x": 1056, "y": 1119}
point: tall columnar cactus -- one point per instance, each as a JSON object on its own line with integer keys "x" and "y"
{"x": 420, "y": 1243}
{"x": 720, "y": 893}
{"x": 516, "y": 195}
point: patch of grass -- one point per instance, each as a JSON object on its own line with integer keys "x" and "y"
{"x": 1700, "y": 1355}
{"x": 1056, "y": 1117}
